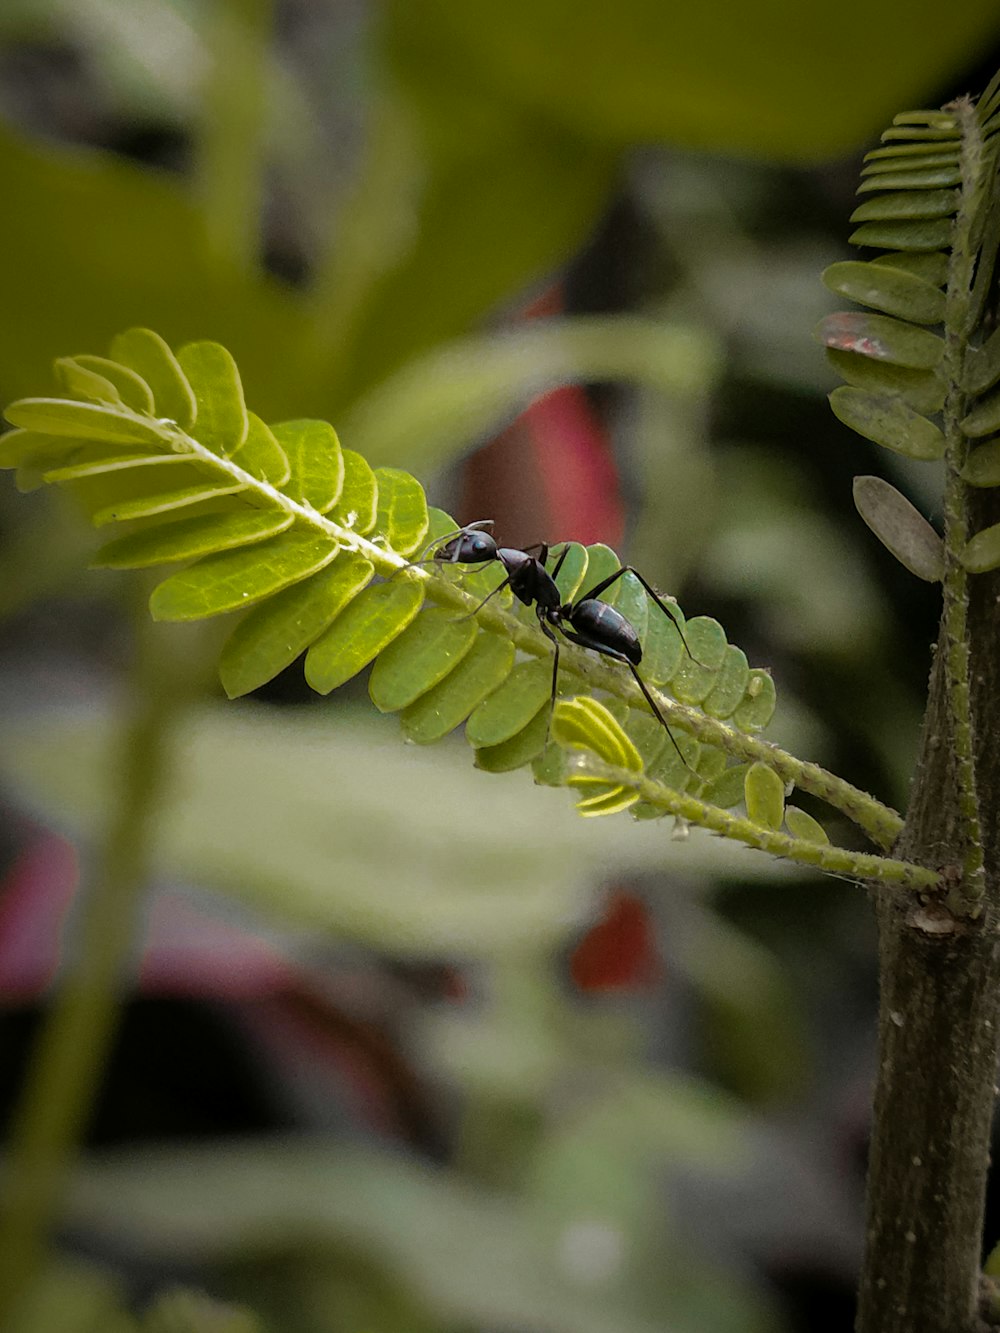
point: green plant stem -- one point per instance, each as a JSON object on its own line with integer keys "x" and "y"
{"x": 229, "y": 163}
{"x": 954, "y": 618}
{"x": 833, "y": 860}
{"x": 79, "y": 1029}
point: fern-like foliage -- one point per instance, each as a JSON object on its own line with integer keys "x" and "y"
{"x": 922, "y": 372}
{"x": 314, "y": 548}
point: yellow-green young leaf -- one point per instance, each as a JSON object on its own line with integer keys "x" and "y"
{"x": 759, "y": 702}
{"x": 888, "y": 421}
{"x": 316, "y": 462}
{"x": 904, "y": 204}
{"x": 357, "y": 504}
{"x": 609, "y": 802}
{"x": 190, "y": 538}
{"x": 163, "y": 502}
{"x": 764, "y": 794}
{"x": 731, "y": 681}
{"x": 84, "y": 421}
{"x": 261, "y": 455}
{"x": 148, "y": 355}
{"x": 424, "y": 654}
{"x": 584, "y": 724}
{"x": 272, "y": 635}
{"x": 487, "y": 664}
{"x": 984, "y": 419}
{"x": 402, "y": 509}
{"x": 802, "y": 825}
{"x": 80, "y": 381}
{"x": 362, "y": 630}
{"x": 234, "y": 579}
{"x": 573, "y": 570}
{"x": 923, "y": 390}
{"x": 662, "y": 650}
{"x": 726, "y": 790}
{"x": 932, "y": 235}
{"x": 130, "y": 387}
{"x": 510, "y": 708}
{"x": 882, "y": 338}
{"x": 697, "y": 673}
{"x": 897, "y": 293}
{"x": 517, "y": 750}
{"x": 982, "y": 552}
{"x": 900, "y": 528}
{"x": 222, "y": 421}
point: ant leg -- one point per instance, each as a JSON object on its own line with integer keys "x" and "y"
{"x": 547, "y": 631}
{"x": 499, "y": 588}
{"x": 605, "y": 651}
{"x": 665, "y": 607}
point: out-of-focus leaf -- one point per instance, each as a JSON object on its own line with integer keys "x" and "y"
{"x": 455, "y": 398}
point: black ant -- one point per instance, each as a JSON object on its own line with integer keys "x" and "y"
{"x": 587, "y": 621}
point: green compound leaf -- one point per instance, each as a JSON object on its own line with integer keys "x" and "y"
{"x": 764, "y": 794}
{"x": 726, "y": 790}
{"x": 145, "y": 353}
{"x": 190, "y": 538}
{"x": 933, "y": 268}
{"x": 291, "y": 529}
{"x": 401, "y": 515}
{"x": 421, "y": 657}
{"x": 273, "y": 634}
{"x": 316, "y": 463}
{"x": 446, "y": 706}
{"x": 802, "y": 825}
{"x": 215, "y": 381}
{"x": 919, "y": 236}
{"x": 891, "y": 290}
{"x": 982, "y": 552}
{"x": 234, "y": 579}
{"x": 889, "y": 422}
{"x": 900, "y": 527}
{"x": 369, "y": 624}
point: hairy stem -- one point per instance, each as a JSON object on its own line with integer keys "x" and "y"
{"x": 79, "y": 1029}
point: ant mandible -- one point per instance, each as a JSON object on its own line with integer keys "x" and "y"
{"x": 588, "y": 621}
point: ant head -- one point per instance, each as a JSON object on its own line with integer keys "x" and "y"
{"x": 467, "y": 548}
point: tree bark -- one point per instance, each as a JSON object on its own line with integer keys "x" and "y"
{"x": 939, "y": 1021}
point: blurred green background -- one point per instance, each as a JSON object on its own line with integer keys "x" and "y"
{"x": 406, "y": 1048}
